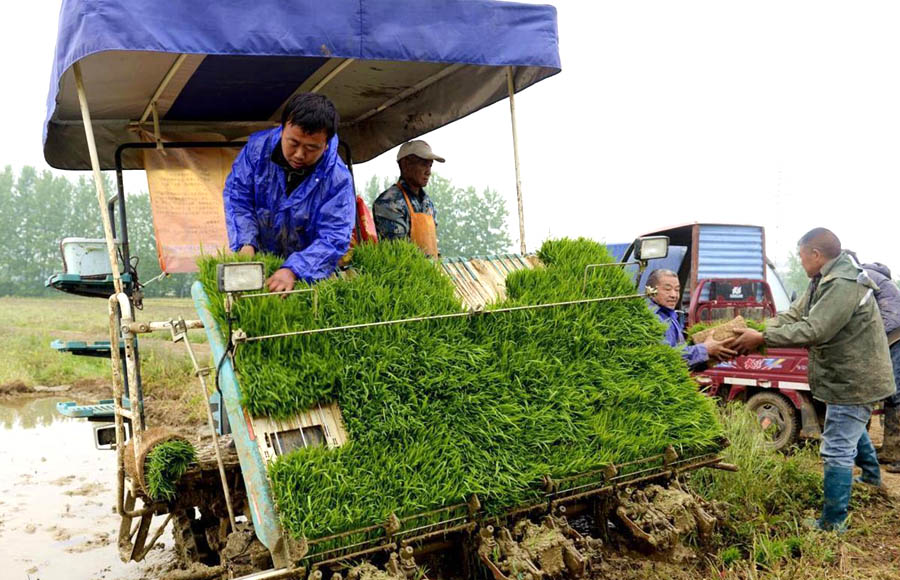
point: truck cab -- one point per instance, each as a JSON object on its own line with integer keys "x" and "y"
{"x": 724, "y": 272}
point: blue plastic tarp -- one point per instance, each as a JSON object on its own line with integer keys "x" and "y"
{"x": 470, "y": 31}
{"x": 247, "y": 58}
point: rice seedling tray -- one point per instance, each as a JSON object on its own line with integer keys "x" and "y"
{"x": 508, "y": 407}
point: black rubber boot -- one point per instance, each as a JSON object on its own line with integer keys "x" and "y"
{"x": 890, "y": 449}
{"x": 868, "y": 462}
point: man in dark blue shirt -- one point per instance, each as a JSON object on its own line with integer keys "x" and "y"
{"x": 664, "y": 304}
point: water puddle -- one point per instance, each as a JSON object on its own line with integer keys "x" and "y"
{"x": 57, "y": 494}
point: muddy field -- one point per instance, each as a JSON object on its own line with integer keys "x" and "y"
{"x": 56, "y": 499}
{"x": 57, "y": 518}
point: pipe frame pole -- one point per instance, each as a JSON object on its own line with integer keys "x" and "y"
{"x": 98, "y": 178}
{"x": 511, "y": 88}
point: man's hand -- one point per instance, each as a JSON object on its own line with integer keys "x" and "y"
{"x": 247, "y": 250}
{"x": 719, "y": 349}
{"x": 282, "y": 280}
{"x": 748, "y": 340}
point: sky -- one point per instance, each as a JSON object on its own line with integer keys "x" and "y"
{"x": 784, "y": 114}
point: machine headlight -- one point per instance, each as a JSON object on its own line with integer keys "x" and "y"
{"x": 651, "y": 248}
{"x": 240, "y": 276}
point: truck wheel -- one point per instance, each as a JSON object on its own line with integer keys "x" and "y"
{"x": 772, "y": 409}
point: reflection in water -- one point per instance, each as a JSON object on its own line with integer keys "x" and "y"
{"x": 28, "y": 413}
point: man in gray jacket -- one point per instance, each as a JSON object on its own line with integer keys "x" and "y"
{"x": 838, "y": 320}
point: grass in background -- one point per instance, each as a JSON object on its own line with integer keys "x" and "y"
{"x": 26, "y": 359}
{"x": 77, "y": 316}
{"x": 31, "y": 324}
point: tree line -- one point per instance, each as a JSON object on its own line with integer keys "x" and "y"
{"x": 795, "y": 279}
{"x": 470, "y": 223}
{"x": 38, "y": 209}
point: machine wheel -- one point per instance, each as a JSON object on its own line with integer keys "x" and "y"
{"x": 774, "y": 409}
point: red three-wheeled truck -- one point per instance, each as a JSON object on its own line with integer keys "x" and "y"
{"x": 724, "y": 272}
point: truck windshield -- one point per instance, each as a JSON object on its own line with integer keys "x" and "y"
{"x": 779, "y": 294}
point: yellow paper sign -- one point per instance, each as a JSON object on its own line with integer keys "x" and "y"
{"x": 186, "y": 200}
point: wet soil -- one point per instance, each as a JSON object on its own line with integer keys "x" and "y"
{"x": 891, "y": 480}
{"x": 83, "y": 389}
{"x": 14, "y": 388}
{"x": 56, "y": 499}
{"x": 175, "y": 410}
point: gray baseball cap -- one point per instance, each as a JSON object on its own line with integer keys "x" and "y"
{"x": 419, "y": 149}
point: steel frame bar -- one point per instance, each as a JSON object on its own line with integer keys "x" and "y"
{"x": 98, "y": 177}
{"x": 266, "y": 523}
{"x": 442, "y": 317}
{"x": 160, "y": 89}
{"x": 119, "y": 303}
{"x": 179, "y": 333}
{"x": 147, "y": 327}
{"x": 330, "y": 76}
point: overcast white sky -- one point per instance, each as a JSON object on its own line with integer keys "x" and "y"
{"x": 779, "y": 113}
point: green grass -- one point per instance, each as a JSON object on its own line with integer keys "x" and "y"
{"x": 764, "y": 536}
{"x": 74, "y": 314}
{"x": 439, "y": 410}
{"x": 27, "y": 359}
{"x": 767, "y": 499}
{"x": 31, "y": 324}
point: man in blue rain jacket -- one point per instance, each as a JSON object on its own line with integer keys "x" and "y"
{"x": 290, "y": 194}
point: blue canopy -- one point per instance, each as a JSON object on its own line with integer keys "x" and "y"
{"x": 220, "y": 70}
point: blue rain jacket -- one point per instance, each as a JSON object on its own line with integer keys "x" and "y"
{"x": 311, "y": 228}
{"x": 693, "y": 354}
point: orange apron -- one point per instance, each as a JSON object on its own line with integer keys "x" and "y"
{"x": 422, "y": 229}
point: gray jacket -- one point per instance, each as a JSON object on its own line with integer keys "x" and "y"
{"x": 888, "y": 295}
{"x": 838, "y": 321}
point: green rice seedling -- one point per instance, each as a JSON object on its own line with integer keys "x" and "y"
{"x": 164, "y": 466}
{"x": 759, "y": 325}
{"x": 441, "y": 409}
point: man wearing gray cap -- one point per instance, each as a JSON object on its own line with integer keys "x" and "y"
{"x": 405, "y": 211}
